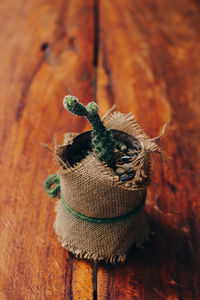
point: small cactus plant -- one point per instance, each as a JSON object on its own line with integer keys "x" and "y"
{"x": 102, "y": 140}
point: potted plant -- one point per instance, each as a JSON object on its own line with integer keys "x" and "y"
{"x": 101, "y": 184}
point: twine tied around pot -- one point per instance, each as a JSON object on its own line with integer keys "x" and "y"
{"x": 54, "y": 192}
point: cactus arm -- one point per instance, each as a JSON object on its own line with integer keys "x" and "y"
{"x": 102, "y": 139}
{"x": 71, "y": 103}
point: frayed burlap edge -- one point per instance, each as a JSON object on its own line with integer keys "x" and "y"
{"x": 114, "y": 259}
{"x": 89, "y": 255}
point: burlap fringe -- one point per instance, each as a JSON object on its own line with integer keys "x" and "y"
{"x": 113, "y": 259}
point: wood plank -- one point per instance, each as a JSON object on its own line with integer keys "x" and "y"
{"x": 46, "y": 50}
{"x": 149, "y": 64}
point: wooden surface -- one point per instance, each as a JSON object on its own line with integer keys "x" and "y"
{"x": 141, "y": 55}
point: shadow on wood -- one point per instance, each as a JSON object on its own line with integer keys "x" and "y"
{"x": 168, "y": 254}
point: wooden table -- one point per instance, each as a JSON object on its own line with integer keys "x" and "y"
{"x": 144, "y": 57}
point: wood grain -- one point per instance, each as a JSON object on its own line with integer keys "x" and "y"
{"x": 145, "y": 55}
{"x": 149, "y": 64}
{"x": 46, "y": 52}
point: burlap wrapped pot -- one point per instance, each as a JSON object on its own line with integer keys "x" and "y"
{"x": 98, "y": 216}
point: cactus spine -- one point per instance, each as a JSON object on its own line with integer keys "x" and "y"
{"x": 102, "y": 139}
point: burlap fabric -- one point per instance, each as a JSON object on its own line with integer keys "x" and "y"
{"x": 93, "y": 190}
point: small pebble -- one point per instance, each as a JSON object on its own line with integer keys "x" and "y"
{"x": 124, "y": 158}
{"x": 120, "y": 171}
{"x": 124, "y": 177}
{"x": 126, "y": 167}
{"x": 123, "y": 148}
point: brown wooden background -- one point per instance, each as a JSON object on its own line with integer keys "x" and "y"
{"x": 143, "y": 55}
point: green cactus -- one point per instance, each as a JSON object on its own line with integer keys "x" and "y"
{"x": 102, "y": 139}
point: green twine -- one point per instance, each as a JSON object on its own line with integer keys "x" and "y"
{"x": 56, "y": 191}
{"x": 49, "y": 181}
{"x": 104, "y": 220}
